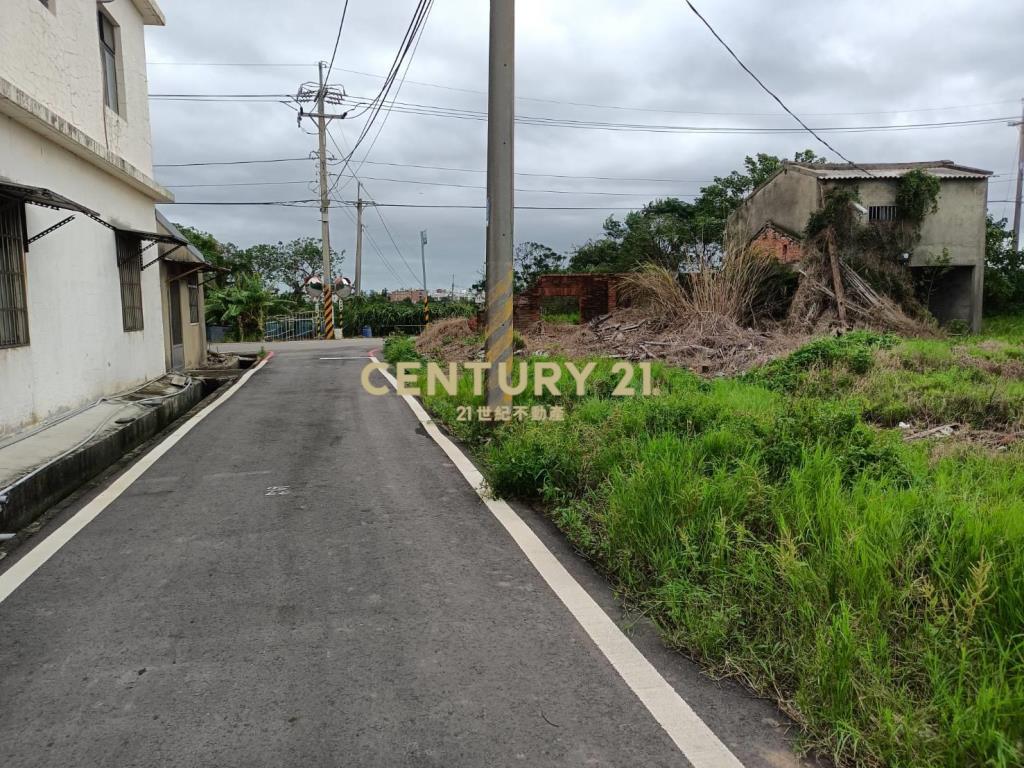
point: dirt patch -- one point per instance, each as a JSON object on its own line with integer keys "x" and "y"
{"x": 450, "y": 339}
{"x": 710, "y": 347}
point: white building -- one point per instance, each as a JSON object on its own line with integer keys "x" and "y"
{"x": 79, "y": 317}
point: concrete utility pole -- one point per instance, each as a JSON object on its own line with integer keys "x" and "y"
{"x": 358, "y": 287}
{"x": 423, "y": 260}
{"x": 501, "y": 110}
{"x": 1020, "y": 180}
{"x": 325, "y": 222}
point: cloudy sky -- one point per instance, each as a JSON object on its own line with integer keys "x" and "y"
{"x": 641, "y": 63}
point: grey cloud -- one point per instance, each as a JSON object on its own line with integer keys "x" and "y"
{"x": 820, "y": 57}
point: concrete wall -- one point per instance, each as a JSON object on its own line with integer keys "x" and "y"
{"x": 956, "y": 229}
{"x": 78, "y": 351}
{"x": 955, "y": 236}
{"x": 788, "y": 199}
{"x": 54, "y": 56}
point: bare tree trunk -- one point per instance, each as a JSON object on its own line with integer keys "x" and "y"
{"x": 837, "y": 278}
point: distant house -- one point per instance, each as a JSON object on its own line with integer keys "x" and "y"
{"x": 775, "y": 214}
{"x": 415, "y": 295}
{"x": 79, "y": 317}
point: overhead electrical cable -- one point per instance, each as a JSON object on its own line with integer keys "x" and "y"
{"x": 618, "y": 107}
{"x": 767, "y": 90}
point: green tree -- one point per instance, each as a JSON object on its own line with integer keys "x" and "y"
{"x": 531, "y": 260}
{"x": 1004, "y": 270}
{"x": 245, "y": 305}
{"x": 676, "y": 234}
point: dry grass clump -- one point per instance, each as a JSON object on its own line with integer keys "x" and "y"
{"x": 447, "y": 339}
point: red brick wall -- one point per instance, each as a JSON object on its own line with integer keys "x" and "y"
{"x": 786, "y": 249}
{"x": 597, "y": 295}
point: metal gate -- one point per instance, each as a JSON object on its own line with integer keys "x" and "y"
{"x": 292, "y": 327}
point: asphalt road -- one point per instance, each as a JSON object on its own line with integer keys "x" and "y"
{"x": 305, "y": 579}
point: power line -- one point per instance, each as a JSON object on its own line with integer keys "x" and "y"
{"x": 430, "y": 110}
{"x": 350, "y": 203}
{"x": 337, "y": 41}
{"x": 232, "y": 162}
{"x": 376, "y": 247}
{"x": 767, "y": 90}
{"x": 428, "y": 183}
{"x": 618, "y": 107}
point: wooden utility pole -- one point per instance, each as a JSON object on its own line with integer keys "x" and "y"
{"x": 358, "y": 287}
{"x": 325, "y": 207}
{"x": 1020, "y": 180}
{"x": 423, "y": 261}
{"x": 501, "y": 111}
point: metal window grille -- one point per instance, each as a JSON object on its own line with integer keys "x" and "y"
{"x": 129, "y": 267}
{"x": 108, "y": 55}
{"x": 882, "y": 213}
{"x": 192, "y": 281}
{"x": 13, "y": 302}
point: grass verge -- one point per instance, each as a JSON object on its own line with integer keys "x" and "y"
{"x": 875, "y": 588}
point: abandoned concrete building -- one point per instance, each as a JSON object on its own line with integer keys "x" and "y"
{"x": 776, "y": 213}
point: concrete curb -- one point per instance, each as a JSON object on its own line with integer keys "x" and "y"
{"x": 28, "y": 498}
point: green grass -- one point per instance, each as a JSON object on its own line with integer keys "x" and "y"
{"x": 1005, "y": 328}
{"x": 776, "y": 533}
{"x": 561, "y": 318}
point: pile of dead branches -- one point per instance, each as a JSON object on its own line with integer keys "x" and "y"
{"x": 833, "y": 293}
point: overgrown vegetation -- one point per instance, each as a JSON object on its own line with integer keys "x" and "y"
{"x": 385, "y": 317}
{"x": 733, "y": 291}
{"x": 1004, "y": 270}
{"x": 874, "y": 587}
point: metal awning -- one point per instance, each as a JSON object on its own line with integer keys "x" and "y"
{"x": 152, "y": 237}
{"x": 46, "y": 198}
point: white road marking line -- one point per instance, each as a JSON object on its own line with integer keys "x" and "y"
{"x": 691, "y": 735}
{"x": 360, "y": 357}
{"x": 16, "y": 575}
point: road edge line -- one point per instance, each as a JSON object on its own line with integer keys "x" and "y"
{"x": 694, "y": 738}
{"x": 18, "y": 573}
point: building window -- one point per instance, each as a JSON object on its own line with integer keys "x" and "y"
{"x": 129, "y": 267}
{"x": 108, "y": 55}
{"x": 882, "y": 213}
{"x": 13, "y": 305}
{"x": 192, "y": 281}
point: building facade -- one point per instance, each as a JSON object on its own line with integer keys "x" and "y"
{"x": 183, "y": 270}
{"x": 953, "y": 236}
{"x": 79, "y": 316}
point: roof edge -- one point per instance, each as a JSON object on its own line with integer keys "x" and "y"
{"x": 163, "y": 221}
{"x": 151, "y": 14}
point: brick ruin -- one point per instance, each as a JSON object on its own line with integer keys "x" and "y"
{"x": 596, "y": 295}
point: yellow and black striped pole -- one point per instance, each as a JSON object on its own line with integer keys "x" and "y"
{"x": 328, "y": 314}
{"x": 500, "y": 196}
{"x": 426, "y": 309}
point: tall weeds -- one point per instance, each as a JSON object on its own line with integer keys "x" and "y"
{"x": 728, "y": 292}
